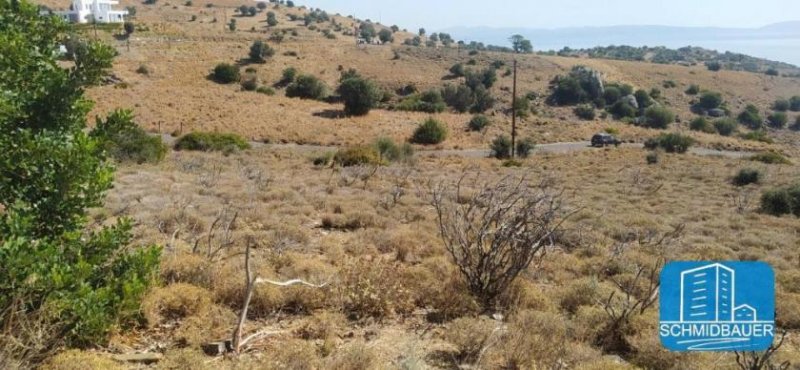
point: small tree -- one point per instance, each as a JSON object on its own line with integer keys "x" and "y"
{"x": 307, "y": 87}
{"x": 359, "y": 95}
{"x": 260, "y": 51}
{"x": 777, "y": 120}
{"x": 385, "y": 35}
{"x": 429, "y": 132}
{"x": 129, "y": 28}
{"x": 459, "y": 97}
{"x": 493, "y": 231}
{"x": 520, "y": 44}
{"x": 262, "y": 5}
{"x": 272, "y": 20}
{"x": 225, "y": 73}
{"x": 501, "y": 147}
{"x": 232, "y": 25}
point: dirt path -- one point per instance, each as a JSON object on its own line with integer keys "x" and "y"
{"x": 555, "y": 148}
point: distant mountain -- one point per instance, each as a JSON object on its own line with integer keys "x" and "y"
{"x": 779, "y": 41}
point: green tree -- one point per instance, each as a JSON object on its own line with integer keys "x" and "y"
{"x": 359, "y": 95}
{"x": 260, "y": 51}
{"x": 72, "y": 282}
{"x": 272, "y": 20}
{"x": 385, "y": 35}
{"x": 368, "y": 31}
{"x": 225, "y": 73}
{"x": 520, "y": 44}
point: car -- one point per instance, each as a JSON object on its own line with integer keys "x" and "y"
{"x": 603, "y": 139}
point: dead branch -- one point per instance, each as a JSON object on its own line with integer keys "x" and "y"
{"x": 762, "y": 360}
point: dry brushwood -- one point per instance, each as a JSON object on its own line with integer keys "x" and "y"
{"x": 637, "y": 296}
{"x": 250, "y": 283}
{"x": 493, "y": 231}
{"x": 762, "y": 360}
{"x": 224, "y": 224}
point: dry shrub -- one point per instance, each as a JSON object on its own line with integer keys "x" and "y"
{"x": 174, "y": 302}
{"x": 471, "y": 336}
{"x": 408, "y": 245}
{"x": 213, "y": 323}
{"x": 171, "y": 219}
{"x": 437, "y": 285}
{"x": 352, "y": 221}
{"x": 300, "y": 298}
{"x": 375, "y": 288}
{"x": 185, "y": 358}
{"x": 534, "y": 340}
{"x": 525, "y": 295}
{"x": 650, "y": 354}
{"x": 787, "y": 310}
{"x": 354, "y": 356}
{"x": 230, "y": 291}
{"x": 290, "y": 354}
{"x": 789, "y": 280}
{"x": 588, "y": 323}
{"x": 580, "y": 292}
{"x": 321, "y": 325}
{"x": 187, "y": 268}
{"x": 607, "y": 363}
{"x": 79, "y": 360}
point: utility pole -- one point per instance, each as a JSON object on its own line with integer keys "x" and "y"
{"x": 514, "y": 113}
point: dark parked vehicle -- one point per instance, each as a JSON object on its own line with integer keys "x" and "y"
{"x": 603, "y": 139}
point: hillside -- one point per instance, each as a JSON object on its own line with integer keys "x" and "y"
{"x": 364, "y": 222}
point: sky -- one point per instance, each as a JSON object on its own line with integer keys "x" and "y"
{"x": 435, "y": 15}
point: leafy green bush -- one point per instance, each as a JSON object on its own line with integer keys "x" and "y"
{"x": 287, "y": 76}
{"x": 525, "y": 147}
{"x": 750, "y": 117}
{"x": 777, "y": 120}
{"x": 225, "y": 73}
{"x": 671, "y": 143}
{"x": 457, "y": 70}
{"x": 359, "y": 95}
{"x": 781, "y": 201}
{"x": 710, "y": 100}
{"x": 643, "y": 99}
{"x": 770, "y": 158}
{"x": 483, "y": 100}
{"x": 430, "y": 101}
{"x": 746, "y": 176}
{"x": 478, "y": 122}
{"x": 501, "y": 147}
{"x": 794, "y": 103}
{"x": 307, "y": 87}
{"x": 266, "y": 90}
{"x": 622, "y": 109}
{"x": 657, "y": 116}
{"x": 713, "y": 66}
{"x": 582, "y": 85}
{"x": 260, "y": 51}
{"x": 249, "y": 83}
{"x": 429, "y": 132}
{"x": 758, "y": 135}
{"x": 63, "y": 282}
{"x": 390, "y": 151}
{"x": 125, "y": 141}
{"x": 781, "y": 105}
{"x": 385, "y": 35}
{"x": 701, "y": 124}
{"x": 725, "y": 126}
{"x": 585, "y": 112}
{"x": 693, "y": 90}
{"x": 796, "y": 125}
{"x": 612, "y": 94}
{"x": 459, "y": 97}
{"x": 772, "y": 72}
{"x": 357, "y": 156}
{"x": 211, "y": 141}
{"x": 652, "y": 157}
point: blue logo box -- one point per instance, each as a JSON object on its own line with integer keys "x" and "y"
{"x": 717, "y": 306}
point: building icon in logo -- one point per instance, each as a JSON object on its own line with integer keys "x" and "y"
{"x": 718, "y": 306}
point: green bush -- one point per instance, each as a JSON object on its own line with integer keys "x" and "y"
{"x": 770, "y": 158}
{"x": 622, "y": 109}
{"x": 794, "y": 103}
{"x": 478, "y": 122}
{"x": 389, "y": 151}
{"x": 266, "y": 90}
{"x": 359, "y": 95}
{"x": 585, "y": 112}
{"x": 211, "y": 141}
{"x": 260, "y": 51}
{"x": 483, "y": 100}
{"x": 643, "y": 99}
{"x": 249, "y": 83}
{"x": 781, "y": 105}
{"x": 725, "y": 126}
{"x": 430, "y": 101}
{"x": 750, "y": 117}
{"x": 658, "y": 117}
{"x": 758, "y": 135}
{"x": 125, "y": 141}
{"x": 307, "y": 87}
{"x": 701, "y": 124}
{"x": 796, "y": 125}
{"x": 781, "y": 201}
{"x": 288, "y": 76}
{"x": 272, "y": 20}
{"x": 525, "y": 147}
{"x": 777, "y": 120}
{"x": 582, "y": 85}
{"x": 501, "y": 147}
{"x": 357, "y": 156}
{"x": 457, "y": 70}
{"x": 458, "y": 97}
{"x": 772, "y": 72}
{"x": 385, "y": 35}
{"x": 652, "y": 157}
{"x": 429, "y": 132}
{"x": 693, "y": 90}
{"x": 64, "y": 282}
{"x": 225, "y": 73}
{"x": 612, "y": 94}
{"x": 713, "y": 66}
{"x": 710, "y": 100}
{"x": 671, "y": 143}
{"x": 746, "y": 176}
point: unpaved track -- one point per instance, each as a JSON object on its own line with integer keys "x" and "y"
{"x": 554, "y": 148}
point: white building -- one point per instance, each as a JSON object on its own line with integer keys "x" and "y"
{"x": 86, "y": 11}
{"x": 707, "y": 293}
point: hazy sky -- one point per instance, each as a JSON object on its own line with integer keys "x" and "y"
{"x": 433, "y": 14}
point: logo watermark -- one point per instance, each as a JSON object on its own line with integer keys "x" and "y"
{"x": 717, "y": 306}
